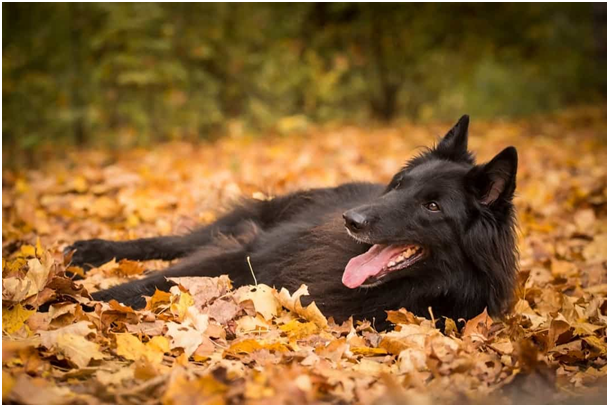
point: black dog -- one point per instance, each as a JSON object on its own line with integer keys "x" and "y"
{"x": 440, "y": 235}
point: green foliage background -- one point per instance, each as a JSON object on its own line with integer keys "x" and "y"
{"x": 128, "y": 74}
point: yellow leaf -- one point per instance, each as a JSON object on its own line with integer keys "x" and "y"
{"x": 205, "y": 390}
{"x": 37, "y": 274}
{"x": 16, "y": 265}
{"x": 39, "y": 249}
{"x": 159, "y": 343}
{"x": 299, "y": 330}
{"x": 27, "y": 251}
{"x": 131, "y": 348}
{"x": 14, "y": 318}
{"x": 366, "y": 351}
{"x": 181, "y": 307}
{"x": 263, "y": 298}
{"x": 248, "y": 324}
{"x": 21, "y": 186}
{"x": 143, "y": 369}
{"x": 394, "y": 345}
{"x": 250, "y": 345}
{"x": 450, "y": 327}
{"x": 292, "y": 302}
{"x": 8, "y": 382}
{"x": 48, "y": 339}
{"x": 77, "y": 349}
{"x": 79, "y": 183}
{"x": 116, "y": 306}
{"x": 76, "y": 270}
{"x": 108, "y": 267}
{"x": 127, "y": 268}
{"x": 597, "y": 343}
{"x": 402, "y": 316}
{"x": 585, "y": 328}
{"x": 159, "y": 298}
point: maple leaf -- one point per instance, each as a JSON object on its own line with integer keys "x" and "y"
{"x": 13, "y": 319}
{"x": 131, "y": 348}
{"x": 263, "y": 297}
{"x": 299, "y": 330}
{"x": 77, "y": 349}
{"x": 81, "y": 328}
{"x": 292, "y": 302}
{"x": 204, "y": 289}
{"x": 184, "y": 337}
{"x": 205, "y": 390}
{"x": 478, "y": 326}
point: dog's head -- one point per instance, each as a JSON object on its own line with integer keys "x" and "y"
{"x": 436, "y": 213}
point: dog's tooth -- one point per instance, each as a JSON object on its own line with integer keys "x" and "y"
{"x": 391, "y": 263}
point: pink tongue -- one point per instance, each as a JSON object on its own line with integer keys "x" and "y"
{"x": 368, "y": 264}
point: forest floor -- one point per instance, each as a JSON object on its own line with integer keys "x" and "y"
{"x": 205, "y": 342}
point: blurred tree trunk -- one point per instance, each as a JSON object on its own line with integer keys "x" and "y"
{"x": 77, "y": 102}
{"x": 599, "y": 11}
{"x": 383, "y": 101}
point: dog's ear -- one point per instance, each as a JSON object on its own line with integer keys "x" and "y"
{"x": 454, "y": 144}
{"x": 495, "y": 180}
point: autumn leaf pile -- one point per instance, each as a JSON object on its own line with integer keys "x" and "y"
{"x": 208, "y": 342}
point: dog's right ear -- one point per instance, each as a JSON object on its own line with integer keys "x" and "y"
{"x": 495, "y": 180}
{"x": 454, "y": 144}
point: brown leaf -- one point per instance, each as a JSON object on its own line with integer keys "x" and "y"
{"x": 204, "y": 289}
{"x": 292, "y": 302}
{"x": 222, "y": 310}
{"x": 479, "y": 326}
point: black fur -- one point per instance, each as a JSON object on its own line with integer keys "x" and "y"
{"x": 301, "y": 238}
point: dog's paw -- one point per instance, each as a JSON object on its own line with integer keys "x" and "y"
{"x": 90, "y": 253}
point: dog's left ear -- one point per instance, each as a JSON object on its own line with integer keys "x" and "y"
{"x": 495, "y": 180}
{"x": 454, "y": 144}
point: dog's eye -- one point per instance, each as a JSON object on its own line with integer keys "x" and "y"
{"x": 397, "y": 183}
{"x": 432, "y": 206}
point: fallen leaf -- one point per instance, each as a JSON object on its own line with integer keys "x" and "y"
{"x": 292, "y": 302}
{"x": 131, "y": 348}
{"x": 204, "y": 289}
{"x": 298, "y": 330}
{"x": 13, "y": 318}
{"x": 478, "y": 326}
{"x": 48, "y": 339}
{"x": 263, "y": 297}
{"x": 184, "y": 337}
{"x": 77, "y": 349}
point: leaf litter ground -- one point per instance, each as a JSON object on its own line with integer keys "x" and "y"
{"x": 207, "y": 342}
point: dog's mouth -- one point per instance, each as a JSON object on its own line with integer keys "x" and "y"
{"x": 368, "y": 269}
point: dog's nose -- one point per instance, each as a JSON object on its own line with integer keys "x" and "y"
{"x": 355, "y": 221}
